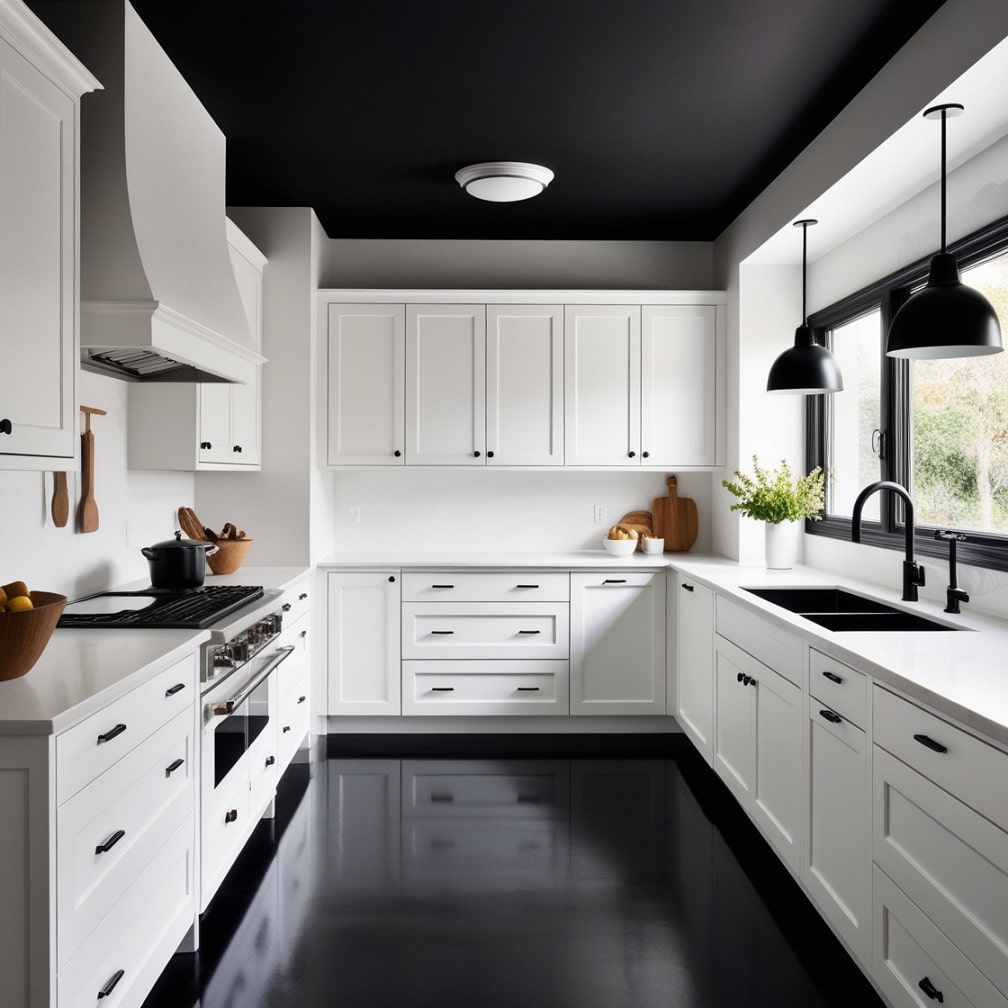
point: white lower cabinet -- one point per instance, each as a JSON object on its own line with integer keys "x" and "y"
{"x": 617, "y": 643}
{"x": 363, "y": 651}
{"x": 694, "y": 694}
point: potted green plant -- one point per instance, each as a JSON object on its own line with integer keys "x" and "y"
{"x": 779, "y": 500}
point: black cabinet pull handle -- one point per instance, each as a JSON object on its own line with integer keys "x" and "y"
{"x": 286, "y": 728}
{"x": 391, "y": 579}
{"x": 231, "y": 815}
{"x": 442, "y": 689}
{"x": 302, "y": 596}
{"x": 688, "y": 587}
{"x": 614, "y": 581}
{"x": 6, "y": 427}
{"x": 304, "y": 633}
{"x": 172, "y": 690}
{"x": 236, "y": 448}
{"x": 476, "y": 454}
{"x": 645, "y": 454}
{"x": 301, "y": 699}
{"x": 833, "y": 677}
{"x": 442, "y": 633}
{"x": 530, "y": 631}
{"x": 830, "y": 716}
{"x": 931, "y": 991}
{"x": 528, "y": 689}
{"x": 205, "y": 444}
{"x": 111, "y": 733}
{"x": 526, "y": 586}
{"x": 631, "y": 454}
{"x": 442, "y": 586}
{"x": 270, "y": 760}
{"x": 489, "y": 454}
{"x": 739, "y": 677}
{"x": 397, "y": 453}
{"x": 286, "y": 607}
{"x": 442, "y": 798}
{"x": 110, "y": 984}
{"x": 173, "y": 766}
{"x": 929, "y": 743}
{"x": 104, "y": 848}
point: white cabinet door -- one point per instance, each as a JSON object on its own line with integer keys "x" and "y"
{"x": 694, "y": 708}
{"x": 363, "y": 643}
{"x": 524, "y": 385}
{"x": 680, "y": 361}
{"x": 446, "y": 384}
{"x": 366, "y": 369}
{"x": 38, "y": 308}
{"x": 734, "y": 743}
{"x": 213, "y": 405}
{"x": 602, "y": 385}
{"x": 617, "y": 643}
{"x": 835, "y": 856}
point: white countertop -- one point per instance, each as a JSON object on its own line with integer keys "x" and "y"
{"x": 588, "y": 559}
{"x": 81, "y": 671}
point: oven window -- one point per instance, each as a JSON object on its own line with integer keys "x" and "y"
{"x": 236, "y": 733}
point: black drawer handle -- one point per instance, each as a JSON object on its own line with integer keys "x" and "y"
{"x": 688, "y": 587}
{"x": 111, "y": 842}
{"x": 833, "y": 677}
{"x": 172, "y": 690}
{"x": 173, "y": 766}
{"x": 286, "y": 607}
{"x": 286, "y": 728}
{"x": 442, "y": 633}
{"x": 111, "y": 733}
{"x": 270, "y": 760}
{"x": 302, "y": 596}
{"x": 301, "y": 699}
{"x": 931, "y": 991}
{"x": 231, "y": 815}
{"x": 830, "y": 716}
{"x": 110, "y": 984}
{"x": 929, "y": 743}
{"x": 304, "y": 633}
{"x": 442, "y": 689}
{"x": 526, "y": 586}
{"x": 528, "y": 689}
{"x": 6, "y": 427}
{"x": 442, "y": 798}
{"x": 530, "y": 632}
{"x": 614, "y": 581}
{"x": 442, "y": 586}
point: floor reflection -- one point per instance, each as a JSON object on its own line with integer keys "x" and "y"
{"x": 581, "y": 882}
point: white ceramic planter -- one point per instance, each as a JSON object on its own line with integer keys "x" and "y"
{"x": 781, "y": 544}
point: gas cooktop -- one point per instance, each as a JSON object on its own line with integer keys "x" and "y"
{"x": 195, "y": 609}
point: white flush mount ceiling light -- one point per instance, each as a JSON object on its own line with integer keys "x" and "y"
{"x": 504, "y": 181}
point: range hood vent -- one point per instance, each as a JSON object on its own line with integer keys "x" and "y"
{"x": 159, "y": 300}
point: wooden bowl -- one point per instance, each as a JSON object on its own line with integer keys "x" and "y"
{"x": 230, "y": 555}
{"x": 24, "y": 635}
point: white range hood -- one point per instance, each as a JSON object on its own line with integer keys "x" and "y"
{"x": 159, "y": 301}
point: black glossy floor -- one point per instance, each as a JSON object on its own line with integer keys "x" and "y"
{"x": 534, "y": 882}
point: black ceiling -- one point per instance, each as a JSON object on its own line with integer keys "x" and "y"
{"x": 662, "y": 119}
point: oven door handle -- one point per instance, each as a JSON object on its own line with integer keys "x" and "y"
{"x": 226, "y": 707}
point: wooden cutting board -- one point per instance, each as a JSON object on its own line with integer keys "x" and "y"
{"x": 641, "y": 522}
{"x": 674, "y": 519}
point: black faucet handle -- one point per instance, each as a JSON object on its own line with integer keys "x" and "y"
{"x": 953, "y": 597}
{"x": 949, "y": 536}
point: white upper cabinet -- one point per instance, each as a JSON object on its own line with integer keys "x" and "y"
{"x": 445, "y": 384}
{"x": 210, "y": 425}
{"x": 365, "y": 346}
{"x": 524, "y": 385}
{"x": 40, "y": 89}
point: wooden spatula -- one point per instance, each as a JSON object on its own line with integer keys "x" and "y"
{"x": 60, "y": 500}
{"x": 87, "y": 510}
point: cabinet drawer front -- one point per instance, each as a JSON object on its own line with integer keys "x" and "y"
{"x": 481, "y": 630}
{"x": 91, "y": 747}
{"x": 298, "y": 598}
{"x": 536, "y": 791}
{"x": 973, "y": 771}
{"x": 951, "y": 861}
{"x": 838, "y": 687}
{"x": 139, "y": 935}
{"x": 293, "y": 721}
{"x": 749, "y": 630}
{"x": 473, "y": 687}
{"x": 485, "y": 586}
{"x": 910, "y": 951}
{"x": 225, "y": 824}
{"x": 129, "y": 811}
{"x": 293, "y": 667}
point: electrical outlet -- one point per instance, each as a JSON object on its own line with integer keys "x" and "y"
{"x": 600, "y": 514}
{"x": 353, "y": 514}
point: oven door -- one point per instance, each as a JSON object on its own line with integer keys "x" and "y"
{"x": 238, "y": 757}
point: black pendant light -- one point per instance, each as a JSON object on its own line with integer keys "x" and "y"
{"x": 946, "y": 318}
{"x": 807, "y": 368}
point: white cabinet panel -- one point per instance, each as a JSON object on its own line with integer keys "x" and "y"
{"x": 363, "y": 614}
{"x": 485, "y": 687}
{"x": 366, "y": 369}
{"x": 695, "y": 666}
{"x": 445, "y": 384}
{"x": 617, "y": 643}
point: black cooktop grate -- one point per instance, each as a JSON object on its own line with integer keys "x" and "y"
{"x": 191, "y": 610}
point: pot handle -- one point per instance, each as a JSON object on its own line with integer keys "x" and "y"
{"x": 211, "y": 548}
{"x": 151, "y": 554}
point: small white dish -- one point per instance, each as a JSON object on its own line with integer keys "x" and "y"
{"x": 652, "y": 544}
{"x": 619, "y": 547}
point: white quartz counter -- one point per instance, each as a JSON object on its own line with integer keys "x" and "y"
{"x": 81, "y": 671}
{"x": 589, "y": 559}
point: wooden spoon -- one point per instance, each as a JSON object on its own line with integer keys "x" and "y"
{"x": 87, "y": 510}
{"x": 60, "y": 500}
{"x": 190, "y": 523}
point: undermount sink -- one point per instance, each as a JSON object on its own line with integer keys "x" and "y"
{"x": 837, "y": 609}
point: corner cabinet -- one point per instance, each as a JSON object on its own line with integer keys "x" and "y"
{"x": 41, "y": 84}
{"x": 523, "y": 379}
{"x": 207, "y": 426}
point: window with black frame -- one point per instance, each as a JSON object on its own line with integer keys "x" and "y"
{"x": 938, "y": 427}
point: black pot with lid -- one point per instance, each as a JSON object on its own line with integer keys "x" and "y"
{"x": 177, "y": 564}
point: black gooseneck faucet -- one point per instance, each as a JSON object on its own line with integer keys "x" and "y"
{"x": 913, "y": 573}
{"x": 953, "y": 594}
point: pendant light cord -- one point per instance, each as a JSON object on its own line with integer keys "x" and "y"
{"x": 944, "y": 115}
{"x": 804, "y": 257}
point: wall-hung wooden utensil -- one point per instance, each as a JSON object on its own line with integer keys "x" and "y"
{"x": 60, "y": 500}
{"x": 87, "y": 510}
